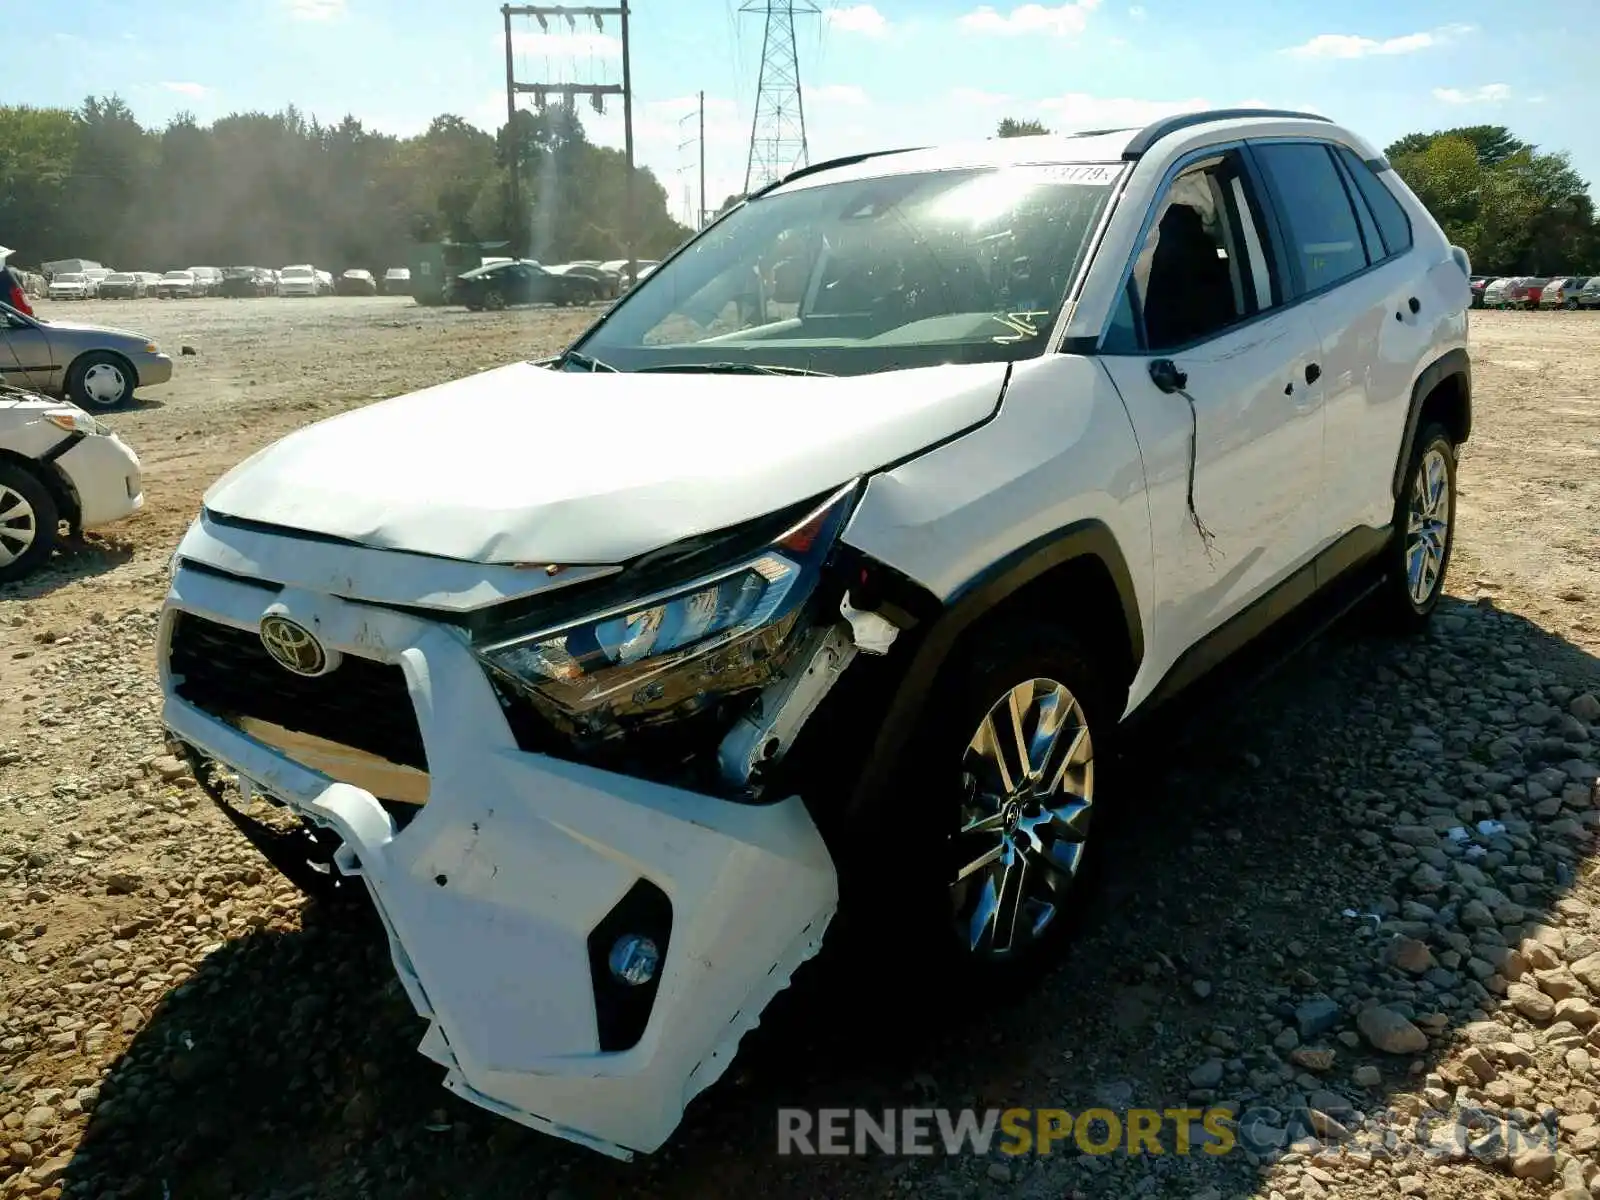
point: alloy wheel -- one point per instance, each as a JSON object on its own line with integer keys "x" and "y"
{"x": 1427, "y": 526}
{"x": 1027, "y": 779}
{"x": 19, "y": 525}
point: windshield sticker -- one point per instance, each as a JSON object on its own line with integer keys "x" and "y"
{"x": 1079, "y": 172}
{"x": 1023, "y": 325}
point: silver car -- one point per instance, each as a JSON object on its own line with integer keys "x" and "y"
{"x": 92, "y": 365}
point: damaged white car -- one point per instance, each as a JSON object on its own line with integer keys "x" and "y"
{"x": 58, "y": 466}
{"x": 821, "y": 572}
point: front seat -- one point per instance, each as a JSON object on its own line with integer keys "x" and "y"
{"x": 1189, "y": 293}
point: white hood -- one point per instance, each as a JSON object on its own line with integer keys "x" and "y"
{"x": 523, "y": 464}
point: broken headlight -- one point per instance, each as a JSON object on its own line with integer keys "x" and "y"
{"x": 681, "y": 651}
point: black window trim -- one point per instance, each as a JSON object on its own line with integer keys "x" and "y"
{"x": 1366, "y": 219}
{"x": 1377, "y": 172}
{"x": 1057, "y": 342}
{"x": 1272, "y": 246}
{"x": 1301, "y": 293}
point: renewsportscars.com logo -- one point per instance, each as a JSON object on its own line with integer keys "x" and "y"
{"x": 1010, "y": 1131}
{"x": 1462, "y": 1133}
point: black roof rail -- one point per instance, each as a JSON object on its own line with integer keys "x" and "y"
{"x": 848, "y": 160}
{"x": 1151, "y": 134}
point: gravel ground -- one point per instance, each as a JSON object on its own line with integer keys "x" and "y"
{"x": 1308, "y": 918}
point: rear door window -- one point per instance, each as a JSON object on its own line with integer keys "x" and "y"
{"x": 1319, "y": 223}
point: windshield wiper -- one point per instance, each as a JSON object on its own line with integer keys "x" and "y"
{"x": 730, "y": 368}
{"x": 581, "y": 361}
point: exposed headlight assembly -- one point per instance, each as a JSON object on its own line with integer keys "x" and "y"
{"x": 76, "y": 420}
{"x": 676, "y": 652}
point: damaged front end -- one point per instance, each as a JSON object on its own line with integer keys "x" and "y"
{"x": 568, "y": 808}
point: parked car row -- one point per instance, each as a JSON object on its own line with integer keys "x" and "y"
{"x": 238, "y": 282}
{"x": 1534, "y": 291}
{"x": 96, "y": 282}
{"x": 500, "y": 282}
{"x": 127, "y": 285}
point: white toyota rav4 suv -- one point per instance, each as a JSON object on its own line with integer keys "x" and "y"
{"x": 834, "y": 560}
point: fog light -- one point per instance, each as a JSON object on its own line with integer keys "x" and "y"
{"x": 634, "y": 960}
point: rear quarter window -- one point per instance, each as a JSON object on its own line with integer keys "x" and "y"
{"x": 1393, "y": 224}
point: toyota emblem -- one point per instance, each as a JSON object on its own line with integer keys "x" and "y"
{"x": 292, "y": 646}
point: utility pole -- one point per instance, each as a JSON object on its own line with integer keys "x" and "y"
{"x": 512, "y": 150}
{"x": 631, "y": 229}
{"x": 778, "y": 126}
{"x": 542, "y": 90}
{"x": 697, "y": 216}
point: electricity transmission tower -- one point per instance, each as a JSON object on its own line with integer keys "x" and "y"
{"x": 778, "y": 128}
{"x": 567, "y": 93}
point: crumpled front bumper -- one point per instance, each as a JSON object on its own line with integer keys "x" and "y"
{"x": 105, "y": 475}
{"x": 492, "y": 892}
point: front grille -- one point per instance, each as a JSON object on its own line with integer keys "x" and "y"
{"x": 228, "y": 673}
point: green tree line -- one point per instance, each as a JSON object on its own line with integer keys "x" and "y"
{"x": 1515, "y": 209}
{"x": 275, "y": 188}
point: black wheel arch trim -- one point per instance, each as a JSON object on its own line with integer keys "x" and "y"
{"x": 52, "y": 478}
{"x": 1452, "y": 362}
{"x": 939, "y": 627}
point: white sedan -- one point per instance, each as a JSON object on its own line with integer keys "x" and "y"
{"x": 57, "y": 464}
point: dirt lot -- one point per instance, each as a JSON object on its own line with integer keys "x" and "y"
{"x": 175, "y": 1023}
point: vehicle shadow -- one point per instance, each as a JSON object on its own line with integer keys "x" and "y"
{"x": 74, "y": 559}
{"x": 285, "y": 1065}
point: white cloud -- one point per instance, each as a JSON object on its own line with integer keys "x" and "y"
{"x": 1349, "y": 45}
{"x": 1064, "y": 20}
{"x": 562, "y": 45}
{"x": 187, "y": 89}
{"x": 1080, "y": 110}
{"x": 857, "y": 18}
{"x": 315, "y": 10}
{"x": 1137, "y": 12}
{"x": 838, "y": 93}
{"x": 1489, "y": 93}
{"x": 978, "y": 98}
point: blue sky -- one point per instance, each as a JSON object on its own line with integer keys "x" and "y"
{"x": 887, "y": 73}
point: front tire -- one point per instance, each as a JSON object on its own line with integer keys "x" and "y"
{"x": 975, "y": 863}
{"x": 494, "y": 300}
{"x": 100, "y": 379}
{"x": 1424, "y": 532}
{"x": 1571, "y": 306}
{"x": 29, "y": 522}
